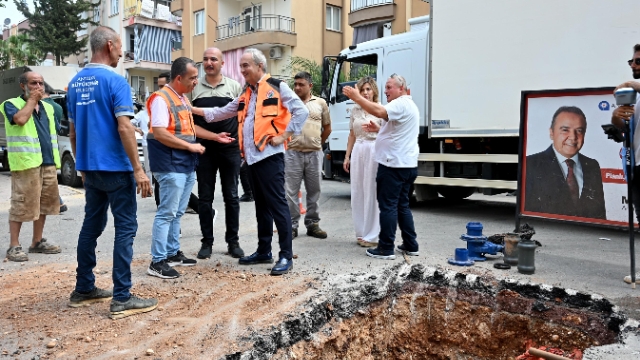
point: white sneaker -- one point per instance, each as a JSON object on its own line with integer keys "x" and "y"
{"x": 627, "y": 278}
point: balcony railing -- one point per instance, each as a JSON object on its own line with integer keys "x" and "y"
{"x": 238, "y": 26}
{"x": 361, "y": 4}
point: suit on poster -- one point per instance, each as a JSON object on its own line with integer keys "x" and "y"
{"x": 547, "y": 191}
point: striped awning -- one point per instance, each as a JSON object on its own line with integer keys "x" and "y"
{"x": 155, "y": 44}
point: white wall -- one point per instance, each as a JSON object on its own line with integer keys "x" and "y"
{"x": 227, "y": 9}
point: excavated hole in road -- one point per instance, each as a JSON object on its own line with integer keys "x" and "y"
{"x": 413, "y": 312}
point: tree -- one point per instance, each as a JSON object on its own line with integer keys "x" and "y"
{"x": 54, "y": 25}
{"x": 17, "y": 51}
{"x": 297, "y": 64}
{"x": 1, "y": 3}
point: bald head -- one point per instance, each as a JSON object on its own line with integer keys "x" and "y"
{"x": 212, "y": 62}
{"x": 100, "y": 36}
{"x": 106, "y": 46}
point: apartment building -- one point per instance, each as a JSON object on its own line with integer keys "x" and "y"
{"x": 280, "y": 28}
{"x": 372, "y": 19}
{"x": 148, "y": 32}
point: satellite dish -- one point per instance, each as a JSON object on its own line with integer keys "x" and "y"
{"x": 7, "y": 21}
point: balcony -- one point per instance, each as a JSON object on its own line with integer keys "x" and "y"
{"x": 159, "y": 15}
{"x": 367, "y": 11}
{"x": 176, "y": 7}
{"x": 250, "y": 31}
{"x": 177, "y": 50}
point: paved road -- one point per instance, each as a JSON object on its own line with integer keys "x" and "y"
{"x": 572, "y": 256}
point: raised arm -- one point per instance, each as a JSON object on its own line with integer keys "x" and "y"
{"x": 371, "y": 107}
{"x": 218, "y": 114}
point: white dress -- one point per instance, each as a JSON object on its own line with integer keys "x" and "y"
{"x": 363, "y": 169}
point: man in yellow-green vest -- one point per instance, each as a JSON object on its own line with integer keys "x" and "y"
{"x": 32, "y": 145}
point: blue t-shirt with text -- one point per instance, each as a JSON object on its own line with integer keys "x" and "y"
{"x": 96, "y": 96}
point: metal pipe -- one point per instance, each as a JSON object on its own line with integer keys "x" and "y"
{"x": 632, "y": 249}
{"x": 546, "y": 355}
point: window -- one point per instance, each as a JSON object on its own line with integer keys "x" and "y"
{"x": 114, "y": 7}
{"x": 333, "y": 18}
{"x": 138, "y": 87}
{"x": 83, "y": 29}
{"x": 155, "y": 84}
{"x": 96, "y": 14}
{"x": 199, "y": 22}
{"x": 353, "y": 70}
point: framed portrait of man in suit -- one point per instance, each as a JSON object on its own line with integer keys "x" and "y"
{"x": 569, "y": 170}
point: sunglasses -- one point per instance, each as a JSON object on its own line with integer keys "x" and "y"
{"x": 636, "y": 61}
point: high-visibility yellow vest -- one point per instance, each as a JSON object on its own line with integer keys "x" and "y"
{"x": 23, "y": 144}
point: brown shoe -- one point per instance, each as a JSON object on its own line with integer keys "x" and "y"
{"x": 367, "y": 244}
{"x": 17, "y": 254}
{"x": 315, "y": 231}
{"x": 43, "y": 247}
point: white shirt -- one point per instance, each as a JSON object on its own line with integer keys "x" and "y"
{"x": 577, "y": 169}
{"x": 141, "y": 120}
{"x": 636, "y": 133}
{"x": 160, "y": 110}
{"x": 397, "y": 142}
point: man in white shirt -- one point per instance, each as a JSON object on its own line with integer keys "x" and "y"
{"x": 396, "y": 152}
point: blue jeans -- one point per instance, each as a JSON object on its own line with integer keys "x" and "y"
{"x": 392, "y": 188}
{"x": 175, "y": 189}
{"x": 104, "y": 189}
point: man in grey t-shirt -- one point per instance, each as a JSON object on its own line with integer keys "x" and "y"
{"x": 396, "y": 152}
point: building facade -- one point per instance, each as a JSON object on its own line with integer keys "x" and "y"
{"x": 280, "y": 28}
{"x": 372, "y": 19}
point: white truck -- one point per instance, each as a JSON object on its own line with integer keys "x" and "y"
{"x": 467, "y": 64}
{"x": 58, "y": 77}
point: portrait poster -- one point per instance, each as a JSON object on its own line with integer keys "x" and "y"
{"x": 569, "y": 169}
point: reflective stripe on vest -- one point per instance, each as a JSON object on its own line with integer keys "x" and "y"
{"x": 269, "y": 119}
{"x": 23, "y": 143}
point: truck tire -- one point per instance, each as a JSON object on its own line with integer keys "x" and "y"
{"x": 69, "y": 175}
{"x": 456, "y": 192}
{"x": 5, "y": 161}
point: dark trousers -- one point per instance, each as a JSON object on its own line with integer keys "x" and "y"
{"x": 392, "y": 188}
{"x": 104, "y": 189}
{"x": 267, "y": 178}
{"x": 635, "y": 185}
{"x": 245, "y": 179}
{"x": 228, "y": 163}
{"x": 193, "y": 200}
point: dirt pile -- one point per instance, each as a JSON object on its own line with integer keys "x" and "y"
{"x": 202, "y": 315}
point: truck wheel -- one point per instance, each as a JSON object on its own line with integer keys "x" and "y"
{"x": 69, "y": 176}
{"x": 456, "y": 192}
{"x": 5, "y": 161}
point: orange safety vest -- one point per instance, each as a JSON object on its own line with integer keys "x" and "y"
{"x": 271, "y": 116}
{"x": 181, "y": 123}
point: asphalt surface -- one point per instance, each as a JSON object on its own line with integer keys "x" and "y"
{"x": 572, "y": 256}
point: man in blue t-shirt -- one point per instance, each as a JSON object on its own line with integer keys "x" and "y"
{"x": 103, "y": 141}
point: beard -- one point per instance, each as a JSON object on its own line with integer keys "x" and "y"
{"x": 636, "y": 74}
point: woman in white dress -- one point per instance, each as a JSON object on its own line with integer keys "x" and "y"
{"x": 359, "y": 161}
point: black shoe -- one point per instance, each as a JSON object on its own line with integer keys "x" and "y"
{"x": 315, "y": 231}
{"x": 134, "y": 305}
{"x": 180, "y": 260}
{"x": 63, "y": 208}
{"x": 282, "y": 267}
{"x": 246, "y": 197}
{"x": 95, "y": 296}
{"x": 405, "y": 250}
{"x": 235, "y": 250}
{"x": 205, "y": 251}
{"x": 256, "y": 258}
{"x": 381, "y": 254}
{"x": 162, "y": 270}
{"x": 294, "y": 233}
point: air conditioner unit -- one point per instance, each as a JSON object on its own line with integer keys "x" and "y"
{"x": 275, "y": 52}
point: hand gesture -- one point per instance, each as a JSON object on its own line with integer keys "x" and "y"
{"x": 351, "y": 92}
{"x": 277, "y": 140}
{"x": 196, "y": 148}
{"x": 623, "y": 113}
{"x": 139, "y": 131}
{"x": 224, "y": 138}
{"x": 143, "y": 185}
{"x": 36, "y": 95}
{"x": 372, "y": 126}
